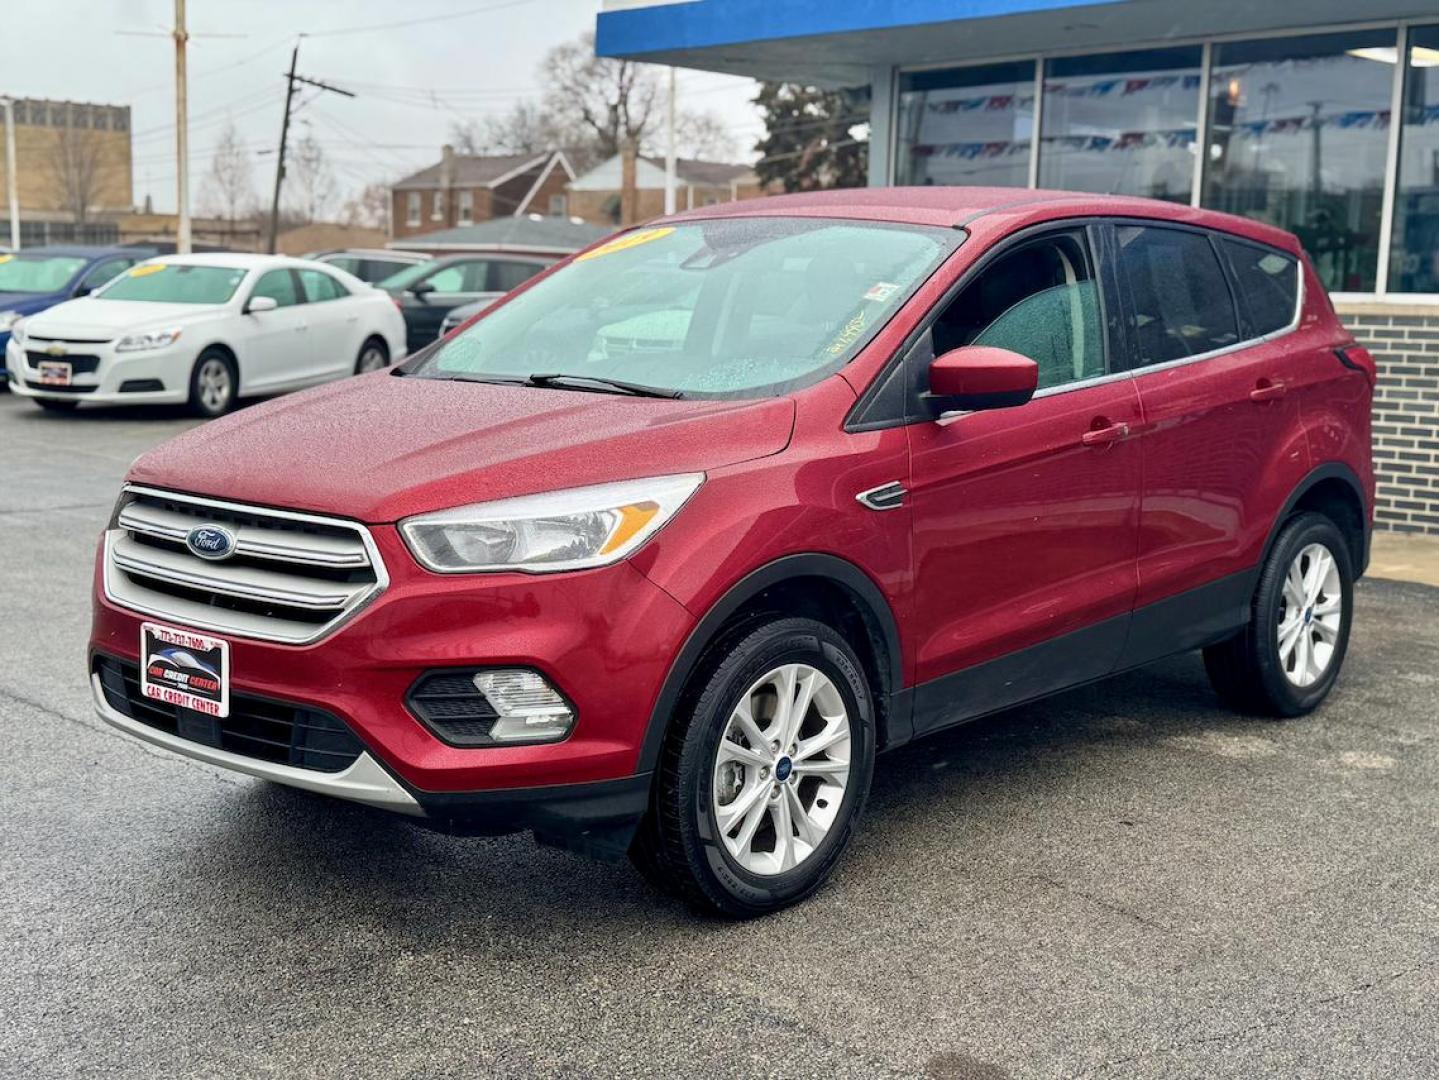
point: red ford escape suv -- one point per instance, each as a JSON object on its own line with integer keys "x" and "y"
{"x": 656, "y": 554}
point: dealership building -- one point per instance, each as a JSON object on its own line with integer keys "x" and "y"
{"x": 1321, "y": 117}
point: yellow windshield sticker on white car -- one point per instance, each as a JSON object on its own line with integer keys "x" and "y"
{"x": 623, "y": 243}
{"x": 147, "y": 269}
{"x": 6, "y": 258}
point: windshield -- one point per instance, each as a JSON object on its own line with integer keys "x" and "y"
{"x": 38, "y": 273}
{"x": 408, "y": 276}
{"x": 732, "y": 307}
{"x": 175, "y": 283}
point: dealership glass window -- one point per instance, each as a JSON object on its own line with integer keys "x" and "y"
{"x": 970, "y": 125}
{"x": 1414, "y": 246}
{"x": 1123, "y": 123}
{"x": 1298, "y": 134}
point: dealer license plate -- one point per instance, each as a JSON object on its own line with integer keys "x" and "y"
{"x": 185, "y": 669}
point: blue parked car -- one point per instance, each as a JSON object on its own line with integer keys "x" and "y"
{"x": 38, "y": 278}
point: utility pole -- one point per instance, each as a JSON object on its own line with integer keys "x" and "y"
{"x": 182, "y": 135}
{"x": 290, "y": 80}
{"x": 10, "y": 178}
{"x": 671, "y": 165}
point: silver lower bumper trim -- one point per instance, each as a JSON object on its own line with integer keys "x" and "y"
{"x": 364, "y": 782}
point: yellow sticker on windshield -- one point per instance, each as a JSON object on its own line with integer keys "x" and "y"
{"x": 629, "y": 240}
{"x": 146, "y": 269}
{"x": 848, "y": 334}
{"x": 6, "y": 258}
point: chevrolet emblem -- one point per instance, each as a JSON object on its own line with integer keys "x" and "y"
{"x": 55, "y": 350}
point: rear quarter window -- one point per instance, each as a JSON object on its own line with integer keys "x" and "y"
{"x": 1268, "y": 284}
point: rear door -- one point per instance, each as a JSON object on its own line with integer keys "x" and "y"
{"x": 1025, "y": 519}
{"x": 333, "y": 314}
{"x": 1220, "y": 434}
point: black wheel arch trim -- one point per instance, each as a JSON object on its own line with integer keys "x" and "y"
{"x": 787, "y": 568}
{"x": 1330, "y": 470}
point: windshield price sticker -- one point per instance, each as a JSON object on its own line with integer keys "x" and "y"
{"x": 624, "y": 243}
{"x": 147, "y": 269}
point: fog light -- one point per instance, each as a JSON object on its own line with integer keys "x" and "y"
{"x": 529, "y": 709}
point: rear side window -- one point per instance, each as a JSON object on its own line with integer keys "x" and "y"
{"x": 1268, "y": 283}
{"x": 320, "y": 287}
{"x": 505, "y": 276}
{"x": 1178, "y": 301}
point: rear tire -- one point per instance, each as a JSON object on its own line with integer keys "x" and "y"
{"x": 1286, "y": 660}
{"x": 738, "y": 772}
{"x": 54, "y": 405}
{"x": 374, "y": 356}
{"x": 214, "y": 383}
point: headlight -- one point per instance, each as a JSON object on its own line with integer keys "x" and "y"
{"x": 8, "y": 319}
{"x": 559, "y": 530}
{"x": 151, "y": 339}
{"x": 17, "y": 329}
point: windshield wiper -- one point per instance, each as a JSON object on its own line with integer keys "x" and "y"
{"x": 579, "y": 382}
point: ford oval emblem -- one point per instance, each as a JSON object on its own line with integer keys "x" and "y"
{"x": 214, "y": 542}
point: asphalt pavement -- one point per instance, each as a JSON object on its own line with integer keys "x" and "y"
{"x": 1125, "y": 881}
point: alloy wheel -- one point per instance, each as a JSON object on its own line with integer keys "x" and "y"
{"x": 214, "y": 385}
{"x": 372, "y": 358}
{"x": 1311, "y": 615}
{"x": 781, "y": 769}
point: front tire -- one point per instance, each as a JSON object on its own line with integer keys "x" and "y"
{"x": 762, "y": 781}
{"x": 214, "y": 383}
{"x": 1286, "y": 660}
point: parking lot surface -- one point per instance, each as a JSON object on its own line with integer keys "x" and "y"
{"x": 1124, "y": 881}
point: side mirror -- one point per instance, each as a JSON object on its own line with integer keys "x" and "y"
{"x": 981, "y": 377}
{"x": 258, "y": 304}
{"x": 421, "y": 288}
{"x": 83, "y": 290}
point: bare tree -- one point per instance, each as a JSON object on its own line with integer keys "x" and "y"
{"x": 528, "y": 128}
{"x": 310, "y": 180}
{"x": 229, "y": 188}
{"x": 370, "y": 208}
{"x": 611, "y": 101}
{"x": 698, "y": 135}
{"x": 77, "y": 162}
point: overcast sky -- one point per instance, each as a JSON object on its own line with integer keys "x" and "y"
{"x": 457, "y": 59}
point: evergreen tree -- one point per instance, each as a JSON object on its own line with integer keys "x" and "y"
{"x": 810, "y": 142}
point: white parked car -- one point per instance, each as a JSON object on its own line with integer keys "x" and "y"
{"x": 205, "y": 330}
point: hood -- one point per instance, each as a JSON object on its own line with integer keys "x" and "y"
{"x": 27, "y": 303}
{"x": 379, "y": 448}
{"x": 92, "y": 318}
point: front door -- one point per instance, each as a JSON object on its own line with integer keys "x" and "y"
{"x": 1025, "y": 519}
{"x": 276, "y": 350}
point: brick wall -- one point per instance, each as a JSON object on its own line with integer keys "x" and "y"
{"x": 1404, "y": 340}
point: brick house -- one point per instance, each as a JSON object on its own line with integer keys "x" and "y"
{"x": 461, "y": 189}
{"x": 595, "y": 195}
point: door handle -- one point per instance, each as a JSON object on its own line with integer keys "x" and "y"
{"x": 1104, "y": 433}
{"x": 1268, "y": 390}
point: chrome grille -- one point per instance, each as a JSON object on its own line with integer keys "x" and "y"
{"x": 291, "y": 578}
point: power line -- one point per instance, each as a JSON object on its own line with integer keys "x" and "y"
{"x": 401, "y": 24}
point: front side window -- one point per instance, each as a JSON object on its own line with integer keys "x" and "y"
{"x": 1414, "y": 249}
{"x": 1121, "y": 124}
{"x": 1178, "y": 300}
{"x": 37, "y": 273}
{"x": 106, "y": 271}
{"x": 279, "y": 285}
{"x": 1267, "y": 283}
{"x": 1298, "y": 135}
{"x": 970, "y": 125}
{"x": 733, "y": 307}
{"x": 1040, "y": 300}
{"x": 175, "y": 283}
